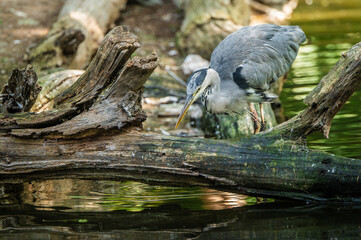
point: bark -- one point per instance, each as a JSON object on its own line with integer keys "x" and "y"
{"x": 21, "y": 91}
{"x": 255, "y": 166}
{"x": 207, "y": 23}
{"x": 108, "y": 66}
{"x": 94, "y": 132}
{"x": 52, "y": 85}
{"x": 74, "y": 38}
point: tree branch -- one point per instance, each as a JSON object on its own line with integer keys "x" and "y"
{"x": 325, "y": 100}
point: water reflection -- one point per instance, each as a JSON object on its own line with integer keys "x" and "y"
{"x": 83, "y": 209}
{"x": 262, "y": 221}
{"x": 76, "y": 195}
{"x": 313, "y": 63}
{"x": 329, "y": 37}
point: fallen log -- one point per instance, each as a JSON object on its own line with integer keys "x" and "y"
{"x": 254, "y": 166}
{"x": 94, "y": 131}
{"x": 74, "y": 38}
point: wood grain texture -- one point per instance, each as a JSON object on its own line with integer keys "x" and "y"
{"x": 255, "y": 166}
{"x": 104, "y": 70}
{"x": 74, "y": 38}
{"x": 102, "y": 138}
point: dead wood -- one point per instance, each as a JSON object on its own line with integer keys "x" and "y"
{"x": 21, "y": 91}
{"x": 255, "y": 166}
{"x": 104, "y": 70}
{"x": 326, "y": 99}
{"x": 52, "y": 85}
{"x": 94, "y": 132}
{"x": 74, "y": 38}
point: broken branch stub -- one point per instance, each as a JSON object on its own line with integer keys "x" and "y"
{"x": 104, "y": 70}
{"x": 328, "y": 97}
{"x": 119, "y": 106}
{"x": 20, "y": 93}
{"x": 74, "y": 38}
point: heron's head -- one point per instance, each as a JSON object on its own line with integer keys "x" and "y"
{"x": 199, "y": 81}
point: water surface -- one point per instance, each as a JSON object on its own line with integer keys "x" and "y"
{"x": 88, "y": 209}
{"x": 332, "y": 27}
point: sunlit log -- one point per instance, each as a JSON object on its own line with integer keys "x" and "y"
{"x": 94, "y": 131}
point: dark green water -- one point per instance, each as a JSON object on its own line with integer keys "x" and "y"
{"x": 87, "y": 209}
{"x": 332, "y": 28}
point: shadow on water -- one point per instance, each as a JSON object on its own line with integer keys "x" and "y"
{"x": 87, "y": 209}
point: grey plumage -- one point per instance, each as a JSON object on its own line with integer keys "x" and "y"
{"x": 256, "y": 56}
{"x": 243, "y": 68}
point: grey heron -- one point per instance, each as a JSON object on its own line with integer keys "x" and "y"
{"x": 243, "y": 68}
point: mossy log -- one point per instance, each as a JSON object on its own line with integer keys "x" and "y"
{"x": 94, "y": 131}
{"x": 74, "y": 38}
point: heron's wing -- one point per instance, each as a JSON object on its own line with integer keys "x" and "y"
{"x": 257, "y": 56}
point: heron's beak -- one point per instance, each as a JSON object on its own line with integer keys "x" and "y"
{"x": 190, "y": 99}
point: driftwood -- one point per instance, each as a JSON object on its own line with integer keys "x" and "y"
{"x": 94, "y": 131}
{"x": 74, "y": 38}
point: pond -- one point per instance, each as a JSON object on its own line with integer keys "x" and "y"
{"x": 331, "y": 30}
{"x": 89, "y": 209}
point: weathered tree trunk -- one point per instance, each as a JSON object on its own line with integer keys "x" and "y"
{"x": 256, "y": 166}
{"x": 207, "y": 23}
{"x": 52, "y": 85}
{"x": 75, "y": 37}
{"x": 94, "y": 132}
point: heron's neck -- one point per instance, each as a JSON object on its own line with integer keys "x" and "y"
{"x": 213, "y": 81}
{"x": 212, "y": 91}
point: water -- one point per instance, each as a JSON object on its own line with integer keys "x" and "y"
{"x": 88, "y": 209}
{"x": 332, "y": 28}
